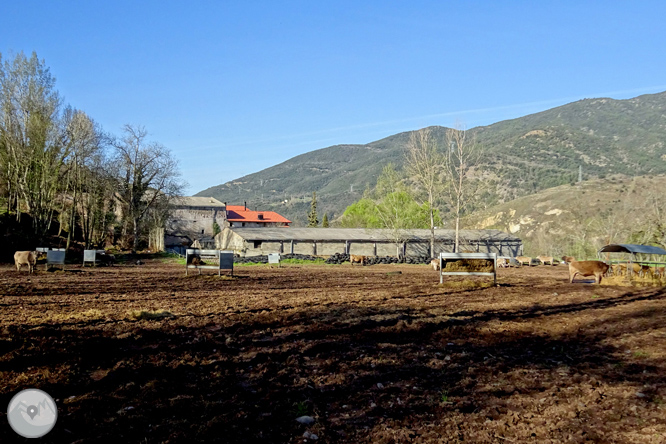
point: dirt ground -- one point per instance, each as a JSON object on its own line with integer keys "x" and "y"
{"x": 376, "y": 354}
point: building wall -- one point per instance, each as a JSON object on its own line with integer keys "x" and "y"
{"x": 196, "y": 222}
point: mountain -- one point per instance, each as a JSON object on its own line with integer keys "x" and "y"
{"x": 592, "y": 213}
{"x": 522, "y": 156}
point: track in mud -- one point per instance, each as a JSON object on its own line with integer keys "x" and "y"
{"x": 374, "y": 354}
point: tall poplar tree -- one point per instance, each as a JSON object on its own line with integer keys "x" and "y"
{"x": 312, "y": 215}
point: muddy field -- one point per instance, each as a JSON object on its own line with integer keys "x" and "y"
{"x": 375, "y": 354}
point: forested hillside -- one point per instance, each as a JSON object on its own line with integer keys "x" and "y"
{"x": 522, "y": 156}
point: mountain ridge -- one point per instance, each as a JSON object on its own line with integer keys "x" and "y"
{"x": 523, "y": 156}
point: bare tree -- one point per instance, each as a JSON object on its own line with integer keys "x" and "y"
{"x": 424, "y": 163}
{"x": 462, "y": 155}
{"x": 86, "y": 141}
{"x": 33, "y": 152}
{"x": 147, "y": 177}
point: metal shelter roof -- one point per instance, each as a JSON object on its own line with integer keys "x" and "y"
{"x": 632, "y": 248}
{"x": 367, "y": 235}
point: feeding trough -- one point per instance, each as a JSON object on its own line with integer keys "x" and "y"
{"x": 209, "y": 259}
{"x": 468, "y": 264}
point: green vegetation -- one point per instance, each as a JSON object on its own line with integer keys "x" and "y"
{"x": 288, "y": 261}
{"x": 170, "y": 258}
{"x": 302, "y": 261}
{"x": 300, "y": 408}
{"x": 388, "y": 205}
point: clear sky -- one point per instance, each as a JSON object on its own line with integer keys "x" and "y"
{"x": 233, "y": 87}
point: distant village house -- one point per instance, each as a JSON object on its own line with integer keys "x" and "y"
{"x": 239, "y": 216}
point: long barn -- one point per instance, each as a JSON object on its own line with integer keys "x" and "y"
{"x": 370, "y": 242}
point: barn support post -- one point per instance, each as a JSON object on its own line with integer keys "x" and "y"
{"x": 374, "y": 248}
{"x": 281, "y": 247}
{"x": 314, "y": 248}
{"x": 292, "y": 247}
{"x": 346, "y": 247}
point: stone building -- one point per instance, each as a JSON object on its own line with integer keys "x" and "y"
{"x": 193, "y": 219}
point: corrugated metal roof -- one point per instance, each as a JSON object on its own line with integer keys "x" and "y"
{"x": 632, "y": 248}
{"x": 365, "y": 234}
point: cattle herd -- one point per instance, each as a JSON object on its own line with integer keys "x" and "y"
{"x": 598, "y": 269}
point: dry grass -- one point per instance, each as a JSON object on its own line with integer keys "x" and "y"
{"x": 634, "y": 281}
{"x": 467, "y": 284}
{"x": 88, "y": 315}
{"x": 140, "y": 315}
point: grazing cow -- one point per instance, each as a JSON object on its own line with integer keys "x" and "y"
{"x": 353, "y": 258}
{"x": 621, "y": 269}
{"x": 587, "y": 268}
{"x": 107, "y": 259}
{"x": 435, "y": 264}
{"x": 28, "y": 258}
{"x": 522, "y": 260}
{"x": 568, "y": 259}
{"x": 618, "y": 269}
{"x": 659, "y": 271}
{"x": 503, "y": 262}
{"x": 646, "y": 270}
{"x": 544, "y": 259}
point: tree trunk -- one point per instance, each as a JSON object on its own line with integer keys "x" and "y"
{"x": 432, "y": 232}
{"x": 135, "y": 243}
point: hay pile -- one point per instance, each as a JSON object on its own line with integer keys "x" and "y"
{"x": 633, "y": 281}
{"x": 475, "y": 265}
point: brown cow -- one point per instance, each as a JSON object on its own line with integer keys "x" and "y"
{"x": 522, "y": 260}
{"x": 544, "y": 259}
{"x": 568, "y": 259}
{"x": 621, "y": 268}
{"x": 28, "y": 258}
{"x": 435, "y": 264}
{"x": 353, "y": 258}
{"x": 587, "y": 268}
{"x": 646, "y": 270}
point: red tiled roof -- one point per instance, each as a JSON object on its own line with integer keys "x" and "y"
{"x": 238, "y": 213}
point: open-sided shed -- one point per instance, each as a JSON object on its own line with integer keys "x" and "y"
{"x": 633, "y": 251}
{"x": 362, "y": 241}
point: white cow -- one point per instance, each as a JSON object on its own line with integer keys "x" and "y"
{"x": 28, "y": 258}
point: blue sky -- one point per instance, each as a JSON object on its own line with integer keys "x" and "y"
{"x": 235, "y": 87}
